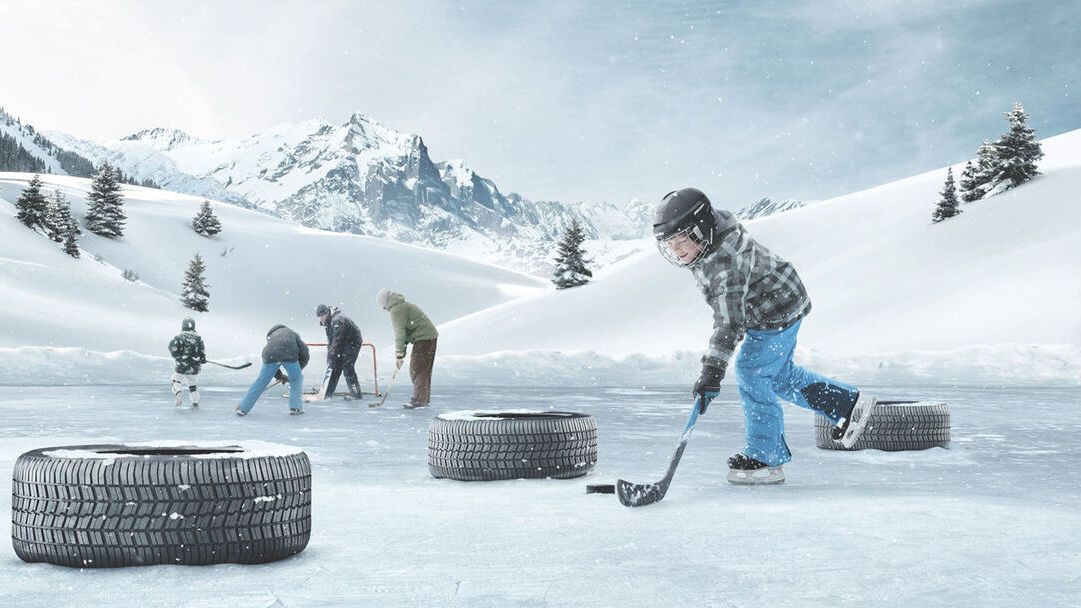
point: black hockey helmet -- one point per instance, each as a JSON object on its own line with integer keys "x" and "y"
{"x": 685, "y": 226}
{"x": 187, "y": 324}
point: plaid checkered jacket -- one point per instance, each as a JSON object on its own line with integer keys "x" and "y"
{"x": 749, "y": 288}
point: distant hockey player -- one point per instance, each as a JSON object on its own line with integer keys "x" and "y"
{"x": 190, "y": 355}
{"x": 412, "y": 326}
{"x": 284, "y": 348}
{"x": 343, "y": 348}
{"x": 756, "y": 297}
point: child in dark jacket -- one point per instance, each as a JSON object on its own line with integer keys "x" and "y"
{"x": 190, "y": 355}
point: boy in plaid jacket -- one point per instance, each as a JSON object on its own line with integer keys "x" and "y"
{"x": 757, "y": 298}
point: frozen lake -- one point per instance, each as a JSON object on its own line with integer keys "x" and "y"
{"x": 993, "y": 521}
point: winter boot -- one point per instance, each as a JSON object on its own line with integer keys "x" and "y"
{"x": 746, "y": 471}
{"x": 296, "y": 412}
{"x": 412, "y": 405}
{"x": 354, "y": 391}
{"x": 240, "y": 412}
{"x": 850, "y": 429}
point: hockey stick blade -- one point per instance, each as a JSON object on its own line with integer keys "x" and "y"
{"x": 601, "y": 488}
{"x": 642, "y": 494}
{"x": 245, "y": 365}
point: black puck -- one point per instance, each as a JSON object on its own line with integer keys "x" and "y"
{"x": 604, "y": 488}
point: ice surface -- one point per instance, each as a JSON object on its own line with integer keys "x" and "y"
{"x": 993, "y": 521}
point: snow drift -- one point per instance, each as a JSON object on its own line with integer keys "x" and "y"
{"x": 881, "y": 276}
{"x": 261, "y": 271}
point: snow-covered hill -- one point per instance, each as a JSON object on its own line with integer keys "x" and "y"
{"x": 53, "y": 158}
{"x": 881, "y": 276}
{"x": 261, "y": 271}
{"x": 360, "y": 177}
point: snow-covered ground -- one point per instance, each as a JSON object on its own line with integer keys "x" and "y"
{"x": 882, "y": 278}
{"x": 261, "y": 271}
{"x": 992, "y": 521}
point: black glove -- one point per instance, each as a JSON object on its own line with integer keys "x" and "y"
{"x": 708, "y": 386}
{"x": 281, "y": 377}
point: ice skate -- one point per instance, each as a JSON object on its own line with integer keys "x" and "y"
{"x": 850, "y": 429}
{"x": 746, "y": 471}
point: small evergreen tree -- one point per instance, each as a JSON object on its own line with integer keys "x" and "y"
{"x": 947, "y": 205}
{"x": 71, "y": 242}
{"x": 105, "y": 211}
{"x": 969, "y": 187}
{"x": 981, "y": 179}
{"x": 570, "y": 270}
{"x": 58, "y": 218}
{"x": 193, "y": 293}
{"x": 205, "y": 222}
{"x": 1017, "y": 150}
{"x": 32, "y": 208}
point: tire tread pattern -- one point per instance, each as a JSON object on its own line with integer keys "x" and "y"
{"x": 487, "y": 450}
{"x": 134, "y": 511}
{"x": 895, "y": 426}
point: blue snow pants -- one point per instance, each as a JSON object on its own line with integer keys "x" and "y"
{"x": 296, "y": 385}
{"x": 764, "y": 372}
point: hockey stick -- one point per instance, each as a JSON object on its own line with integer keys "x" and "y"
{"x": 231, "y": 366}
{"x": 642, "y": 494}
{"x": 276, "y": 382}
{"x": 321, "y": 393}
{"x": 386, "y": 393}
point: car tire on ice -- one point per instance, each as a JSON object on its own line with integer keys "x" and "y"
{"x": 102, "y": 506}
{"x": 895, "y": 426}
{"x": 488, "y": 446}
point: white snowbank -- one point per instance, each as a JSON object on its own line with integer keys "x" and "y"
{"x": 248, "y": 449}
{"x": 881, "y": 276}
{"x": 999, "y": 365}
{"x": 482, "y": 414}
{"x": 261, "y": 271}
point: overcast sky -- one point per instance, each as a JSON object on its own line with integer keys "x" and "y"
{"x": 570, "y": 100}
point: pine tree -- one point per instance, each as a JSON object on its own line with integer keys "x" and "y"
{"x": 570, "y": 270}
{"x": 205, "y": 222}
{"x": 64, "y": 226}
{"x": 1017, "y": 150}
{"x": 58, "y": 217}
{"x": 947, "y": 205}
{"x": 977, "y": 180}
{"x": 71, "y": 243}
{"x": 971, "y": 188}
{"x": 32, "y": 208}
{"x": 105, "y": 211}
{"x": 193, "y": 293}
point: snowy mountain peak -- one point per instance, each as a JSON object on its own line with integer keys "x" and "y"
{"x": 362, "y": 177}
{"x": 767, "y": 206}
{"x": 163, "y": 139}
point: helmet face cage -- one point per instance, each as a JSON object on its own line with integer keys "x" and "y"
{"x": 690, "y": 236}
